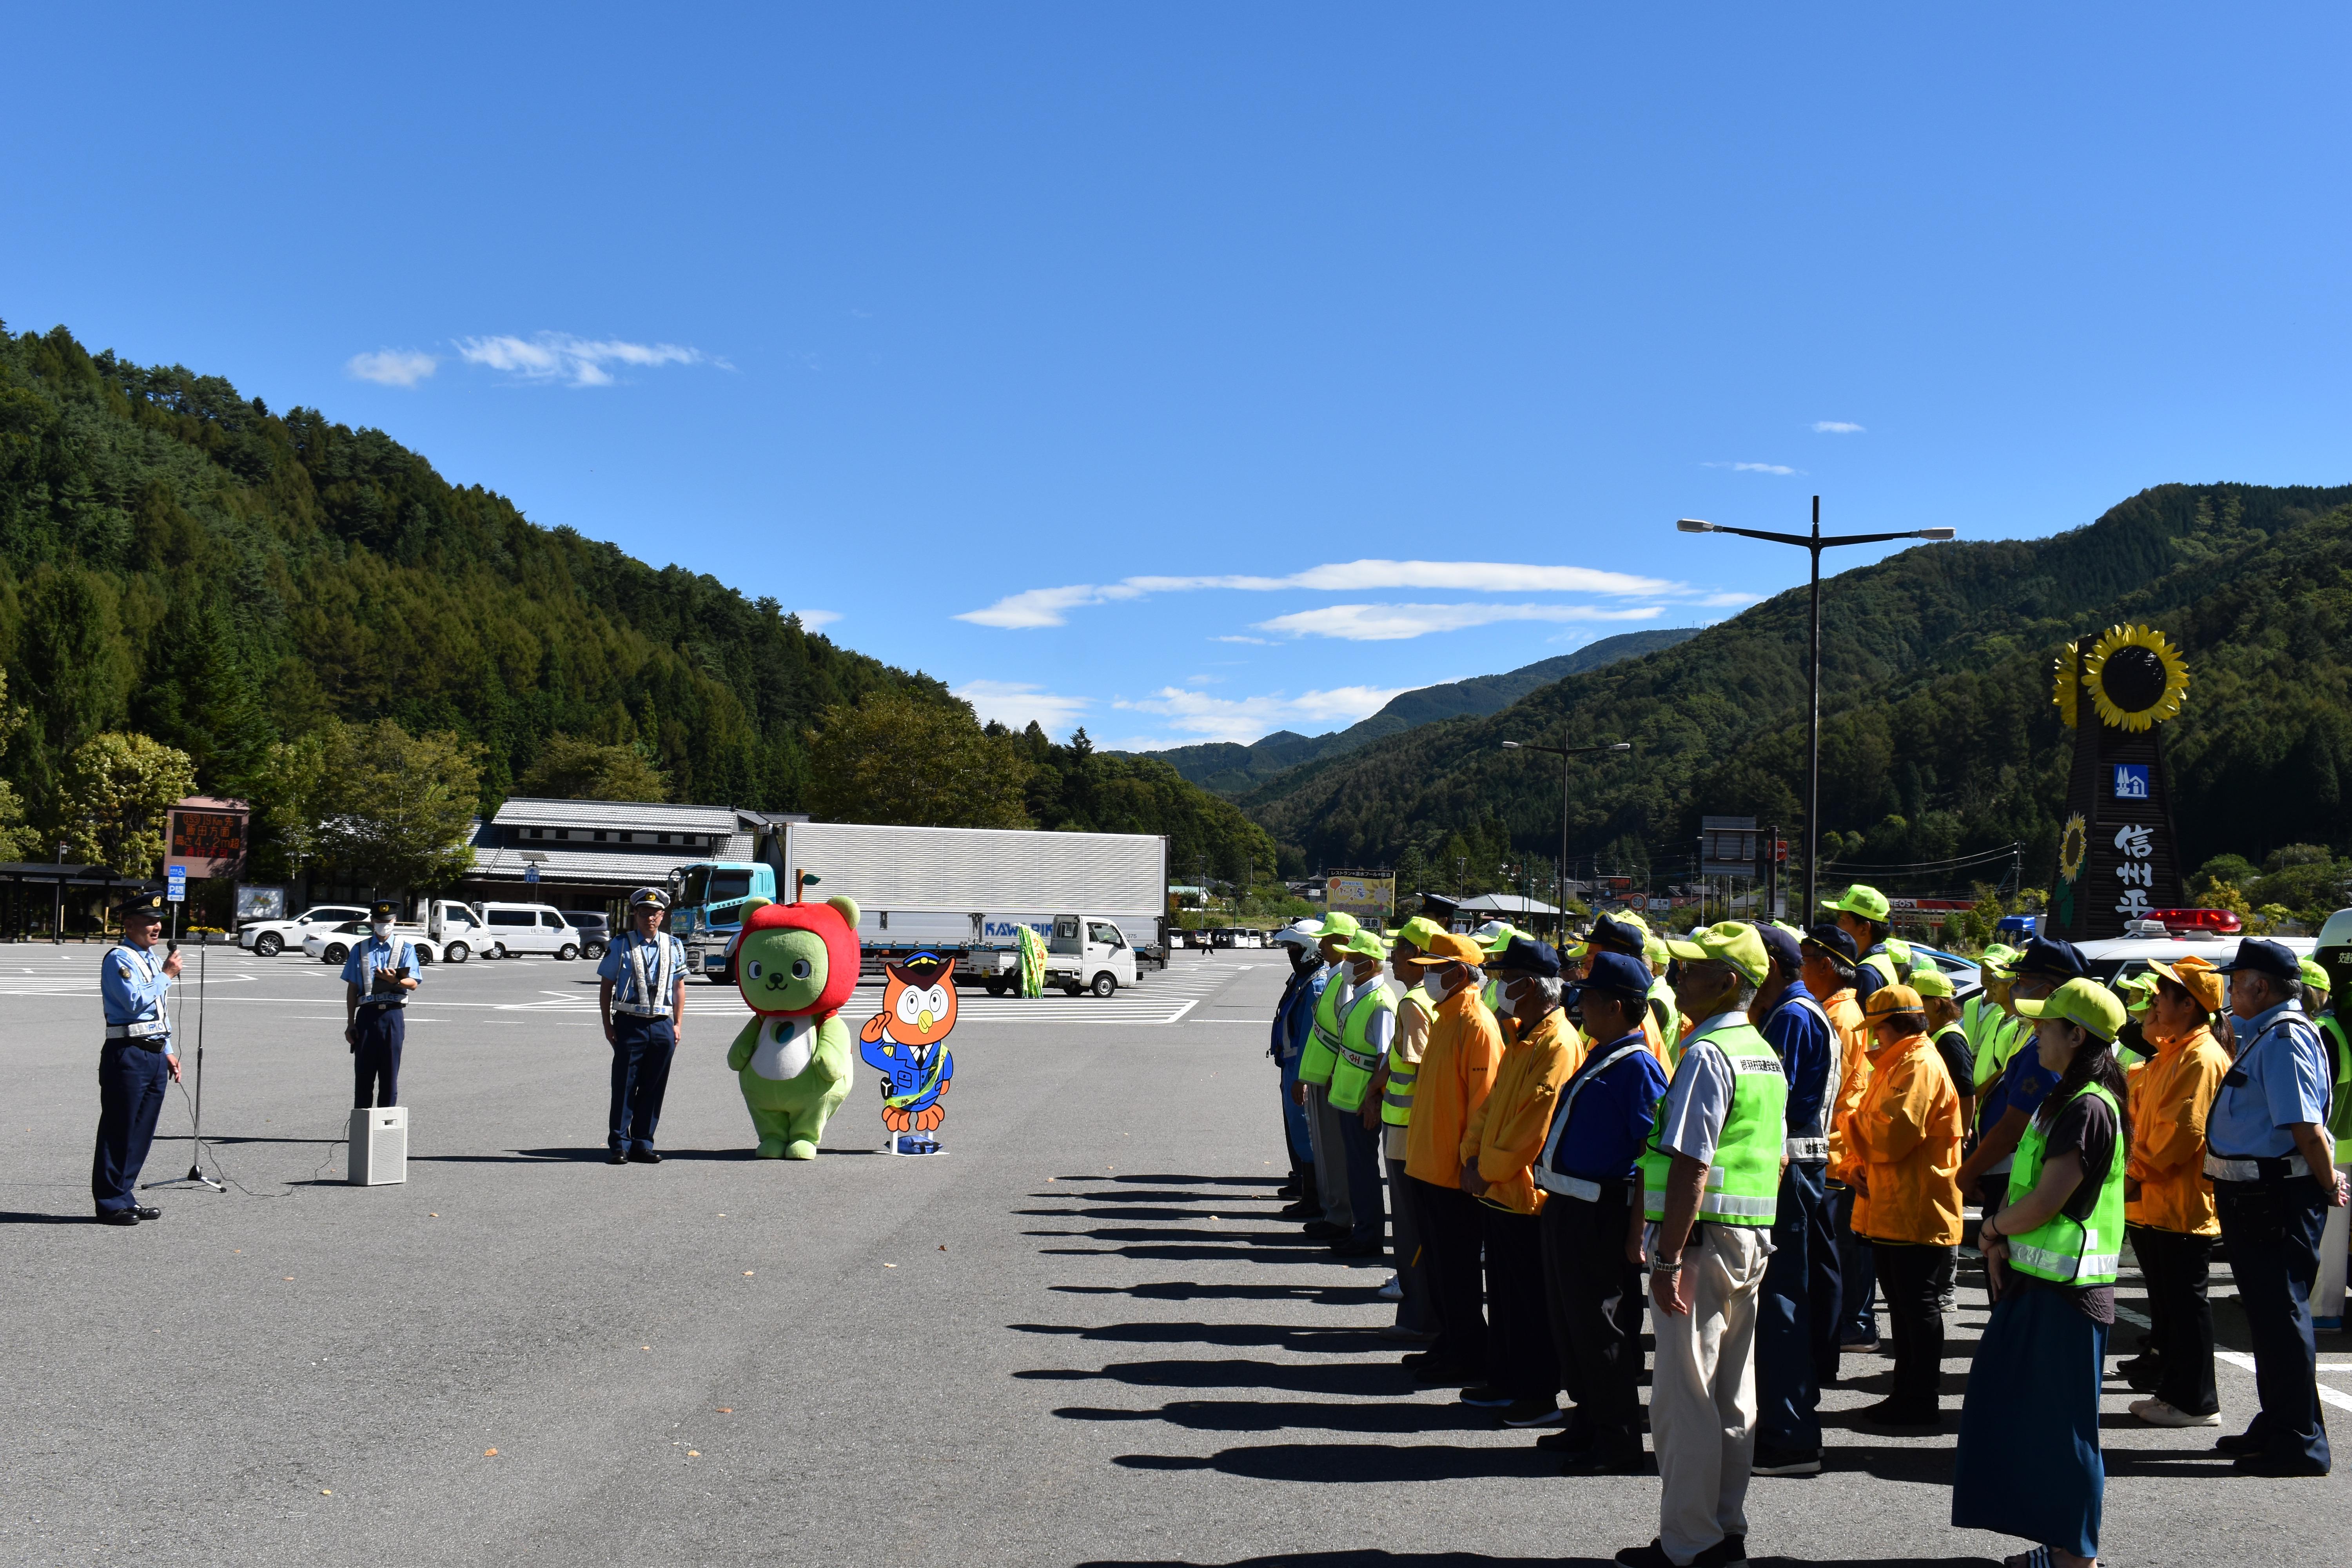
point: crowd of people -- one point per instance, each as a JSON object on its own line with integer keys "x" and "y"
{"x": 1766, "y": 1132}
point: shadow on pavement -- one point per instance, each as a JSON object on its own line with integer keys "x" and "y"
{"x": 1185, "y": 1290}
{"x": 1327, "y": 1341}
{"x": 12, "y": 1218}
{"x": 1275, "y": 1414}
{"x": 1480, "y": 1560}
{"x": 1373, "y": 1464}
{"x": 1361, "y": 1379}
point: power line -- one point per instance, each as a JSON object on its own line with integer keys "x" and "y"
{"x": 2003, "y": 853}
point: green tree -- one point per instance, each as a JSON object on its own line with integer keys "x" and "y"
{"x": 572, "y": 769}
{"x": 17, "y": 841}
{"x": 398, "y": 807}
{"x": 291, "y": 807}
{"x": 116, "y": 792}
{"x": 893, "y": 759}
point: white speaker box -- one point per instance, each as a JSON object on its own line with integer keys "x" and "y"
{"x": 379, "y": 1147}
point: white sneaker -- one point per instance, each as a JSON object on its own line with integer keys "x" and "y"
{"x": 1393, "y": 1291}
{"x": 2156, "y": 1413}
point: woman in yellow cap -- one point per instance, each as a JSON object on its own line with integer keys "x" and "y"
{"x": 2029, "y": 1462}
{"x": 2168, "y": 1204}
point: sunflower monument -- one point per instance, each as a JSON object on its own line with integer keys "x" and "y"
{"x": 2118, "y": 858}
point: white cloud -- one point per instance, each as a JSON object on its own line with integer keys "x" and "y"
{"x": 1014, "y": 704}
{"x": 1729, "y": 601}
{"x": 1205, "y": 717}
{"x": 1051, "y": 606}
{"x": 391, "y": 367}
{"x": 1752, "y": 467}
{"x": 1260, "y": 642}
{"x": 583, "y": 361}
{"x": 816, "y": 620}
{"x": 1836, "y": 427}
{"x": 1393, "y": 622}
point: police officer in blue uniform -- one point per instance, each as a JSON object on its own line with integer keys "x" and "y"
{"x": 1590, "y": 1226}
{"x": 1796, "y": 1333}
{"x": 643, "y": 997}
{"x": 377, "y": 979}
{"x": 136, "y": 1062}
{"x": 2273, "y": 1180}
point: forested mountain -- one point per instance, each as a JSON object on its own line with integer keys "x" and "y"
{"x": 178, "y": 560}
{"x": 1939, "y": 733}
{"x": 1231, "y": 769}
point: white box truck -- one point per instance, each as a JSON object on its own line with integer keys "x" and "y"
{"x": 968, "y": 890}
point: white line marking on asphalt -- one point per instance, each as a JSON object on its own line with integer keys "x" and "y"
{"x": 2245, "y": 1362}
{"x": 1187, "y": 1007}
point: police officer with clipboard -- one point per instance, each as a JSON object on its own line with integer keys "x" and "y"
{"x": 643, "y": 997}
{"x": 377, "y": 979}
{"x": 136, "y": 1061}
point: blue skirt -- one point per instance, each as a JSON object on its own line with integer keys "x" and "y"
{"x": 2028, "y": 1460}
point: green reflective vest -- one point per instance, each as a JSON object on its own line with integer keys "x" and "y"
{"x": 1321, "y": 1052}
{"x": 2340, "y": 1119}
{"x": 1396, "y": 1101}
{"x": 1670, "y": 1020}
{"x": 2059, "y": 1249}
{"x": 1743, "y": 1185}
{"x": 1891, "y": 963}
{"x": 1358, "y": 1060}
{"x": 1981, "y": 1021}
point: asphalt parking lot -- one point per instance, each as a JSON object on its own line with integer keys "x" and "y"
{"x": 1079, "y": 1338}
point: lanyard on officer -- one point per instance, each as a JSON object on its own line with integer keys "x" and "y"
{"x": 147, "y": 978}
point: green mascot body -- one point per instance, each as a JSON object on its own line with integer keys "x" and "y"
{"x": 797, "y": 966}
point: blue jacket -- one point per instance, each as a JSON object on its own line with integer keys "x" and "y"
{"x": 130, "y": 987}
{"x": 1799, "y": 1033}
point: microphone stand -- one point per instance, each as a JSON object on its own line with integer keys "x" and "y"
{"x": 196, "y": 1155}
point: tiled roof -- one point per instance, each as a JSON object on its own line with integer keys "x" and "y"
{"x": 642, "y": 815}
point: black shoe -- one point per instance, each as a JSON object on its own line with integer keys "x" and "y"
{"x": 120, "y": 1216}
{"x": 1608, "y": 1462}
{"x": 1437, "y": 1374}
{"x": 2243, "y": 1443}
{"x": 644, "y": 1157}
{"x": 1533, "y": 1413}
{"x": 144, "y": 1212}
{"x": 2277, "y": 1465}
{"x": 1302, "y": 1210}
{"x": 1653, "y": 1555}
{"x": 1290, "y": 1190}
{"x": 1566, "y": 1441}
{"x": 1731, "y": 1551}
{"x": 1357, "y": 1248}
{"x": 1900, "y": 1412}
{"x": 1486, "y": 1396}
{"x": 1321, "y": 1230}
{"x": 617, "y": 1157}
{"x": 1786, "y": 1462}
{"x": 2143, "y": 1372}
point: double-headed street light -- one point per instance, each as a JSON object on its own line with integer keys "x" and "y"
{"x": 1816, "y": 543}
{"x": 1563, "y": 753}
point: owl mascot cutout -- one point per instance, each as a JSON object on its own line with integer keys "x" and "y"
{"x": 797, "y": 966}
{"x": 906, "y": 1042}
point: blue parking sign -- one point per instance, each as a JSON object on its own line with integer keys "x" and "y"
{"x": 175, "y": 884}
{"x": 2131, "y": 781}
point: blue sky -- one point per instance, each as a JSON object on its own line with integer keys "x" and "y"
{"x": 1193, "y": 372}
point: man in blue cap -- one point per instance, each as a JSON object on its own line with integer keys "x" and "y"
{"x": 136, "y": 1062}
{"x": 641, "y": 991}
{"x": 378, "y": 975}
{"x": 1294, "y": 1015}
{"x": 1590, "y": 1226}
{"x": 2274, "y": 1179}
{"x": 1804, "y": 1228}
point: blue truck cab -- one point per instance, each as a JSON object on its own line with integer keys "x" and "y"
{"x": 706, "y": 908}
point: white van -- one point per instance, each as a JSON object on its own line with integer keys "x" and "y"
{"x": 510, "y": 929}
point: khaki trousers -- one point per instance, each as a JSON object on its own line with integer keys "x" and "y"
{"x": 1331, "y": 1157}
{"x": 1703, "y": 1392}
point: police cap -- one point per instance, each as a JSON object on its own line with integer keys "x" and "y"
{"x": 649, "y": 898}
{"x": 1618, "y": 975}
{"x": 2060, "y": 961}
{"x": 140, "y": 908}
{"x": 2270, "y": 958}
{"x": 382, "y": 909}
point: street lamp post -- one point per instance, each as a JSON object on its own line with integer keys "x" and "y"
{"x": 1815, "y": 543}
{"x": 1560, "y": 871}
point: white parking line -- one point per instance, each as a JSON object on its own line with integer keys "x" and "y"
{"x": 2245, "y": 1362}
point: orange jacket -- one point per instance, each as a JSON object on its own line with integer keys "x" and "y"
{"x": 1457, "y": 1071}
{"x": 1511, "y": 1126}
{"x": 2169, "y": 1098}
{"x": 1853, "y": 1073}
{"x": 1905, "y": 1140}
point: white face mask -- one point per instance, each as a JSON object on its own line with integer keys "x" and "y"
{"x": 381, "y": 928}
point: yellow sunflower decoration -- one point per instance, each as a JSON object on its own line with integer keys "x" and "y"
{"x": 2136, "y": 677}
{"x": 2074, "y": 844}
{"x": 2069, "y": 684}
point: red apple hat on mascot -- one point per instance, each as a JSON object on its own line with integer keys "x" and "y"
{"x": 841, "y": 950}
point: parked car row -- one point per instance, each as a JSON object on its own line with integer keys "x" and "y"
{"x": 450, "y": 933}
